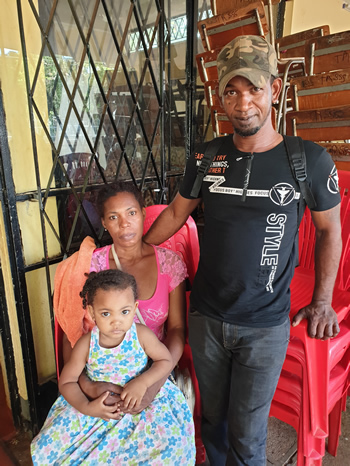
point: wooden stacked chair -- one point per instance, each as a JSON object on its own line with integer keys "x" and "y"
{"x": 217, "y": 31}
{"x": 328, "y": 53}
{"x": 223, "y": 6}
{"x": 323, "y": 90}
{"x": 321, "y": 104}
{"x": 323, "y": 54}
{"x": 294, "y": 45}
{"x": 292, "y": 52}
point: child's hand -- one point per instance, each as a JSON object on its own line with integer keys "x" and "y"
{"x": 97, "y": 408}
{"x": 132, "y": 393}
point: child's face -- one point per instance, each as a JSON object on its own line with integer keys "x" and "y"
{"x": 113, "y": 311}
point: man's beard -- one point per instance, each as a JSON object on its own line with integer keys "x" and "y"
{"x": 244, "y": 133}
{"x": 248, "y": 132}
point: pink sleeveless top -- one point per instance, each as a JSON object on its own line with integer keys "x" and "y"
{"x": 171, "y": 272}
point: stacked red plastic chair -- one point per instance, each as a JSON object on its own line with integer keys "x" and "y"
{"x": 315, "y": 378}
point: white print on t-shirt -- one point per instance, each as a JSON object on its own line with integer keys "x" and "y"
{"x": 282, "y": 194}
{"x": 272, "y": 243}
{"x": 332, "y": 182}
{"x": 288, "y": 196}
{"x": 220, "y": 164}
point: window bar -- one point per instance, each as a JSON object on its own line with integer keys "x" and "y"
{"x": 135, "y": 98}
{"x": 69, "y": 95}
{"x": 149, "y": 153}
{"x": 6, "y": 336}
{"x": 36, "y": 159}
{"x": 145, "y": 48}
{"x": 17, "y": 265}
{"x": 167, "y": 94}
{"x": 191, "y": 51}
{"x": 163, "y": 188}
{"x": 144, "y": 30}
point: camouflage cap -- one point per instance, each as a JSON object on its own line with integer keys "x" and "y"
{"x": 249, "y": 56}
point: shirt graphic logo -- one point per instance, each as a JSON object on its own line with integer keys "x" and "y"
{"x": 332, "y": 182}
{"x": 272, "y": 243}
{"x": 216, "y": 187}
{"x": 282, "y": 194}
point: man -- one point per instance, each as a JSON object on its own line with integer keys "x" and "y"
{"x": 240, "y": 301}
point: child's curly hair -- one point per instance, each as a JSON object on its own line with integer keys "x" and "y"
{"x": 106, "y": 280}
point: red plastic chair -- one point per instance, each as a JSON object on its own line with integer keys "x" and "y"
{"x": 293, "y": 398}
{"x": 185, "y": 243}
{"x": 312, "y": 360}
{"x": 58, "y": 348}
{"x": 291, "y": 403}
{"x": 301, "y": 293}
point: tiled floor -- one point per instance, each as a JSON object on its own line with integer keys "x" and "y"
{"x": 281, "y": 446}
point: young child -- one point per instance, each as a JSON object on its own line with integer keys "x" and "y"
{"x": 78, "y": 430}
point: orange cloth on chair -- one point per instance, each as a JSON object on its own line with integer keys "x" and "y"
{"x": 69, "y": 280}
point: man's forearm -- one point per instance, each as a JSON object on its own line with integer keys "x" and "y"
{"x": 171, "y": 219}
{"x": 327, "y": 254}
{"x": 163, "y": 227}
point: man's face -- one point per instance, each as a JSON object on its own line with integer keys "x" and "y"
{"x": 248, "y": 107}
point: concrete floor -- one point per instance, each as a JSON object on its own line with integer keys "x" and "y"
{"x": 281, "y": 445}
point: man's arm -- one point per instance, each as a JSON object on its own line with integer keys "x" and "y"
{"x": 323, "y": 323}
{"x": 171, "y": 219}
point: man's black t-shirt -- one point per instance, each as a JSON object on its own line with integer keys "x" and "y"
{"x": 248, "y": 247}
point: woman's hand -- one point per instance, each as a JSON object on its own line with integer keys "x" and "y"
{"x": 93, "y": 390}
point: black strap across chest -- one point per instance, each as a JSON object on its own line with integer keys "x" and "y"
{"x": 297, "y": 161}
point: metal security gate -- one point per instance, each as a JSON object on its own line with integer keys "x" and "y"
{"x": 111, "y": 94}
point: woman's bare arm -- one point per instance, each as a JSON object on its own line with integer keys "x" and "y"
{"x": 176, "y": 323}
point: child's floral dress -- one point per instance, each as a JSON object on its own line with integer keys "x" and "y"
{"x": 162, "y": 434}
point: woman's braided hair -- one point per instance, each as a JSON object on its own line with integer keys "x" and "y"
{"x": 111, "y": 279}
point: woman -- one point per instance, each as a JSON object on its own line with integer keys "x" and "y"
{"x": 160, "y": 276}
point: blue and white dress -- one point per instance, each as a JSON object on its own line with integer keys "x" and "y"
{"x": 162, "y": 434}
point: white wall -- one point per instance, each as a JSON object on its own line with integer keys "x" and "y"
{"x": 307, "y": 14}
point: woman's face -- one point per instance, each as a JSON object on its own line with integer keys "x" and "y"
{"x": 123, "y": 218}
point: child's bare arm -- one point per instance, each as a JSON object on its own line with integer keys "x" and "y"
{"x": 69, "y": 387}
{"x": 162, "y": 364}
